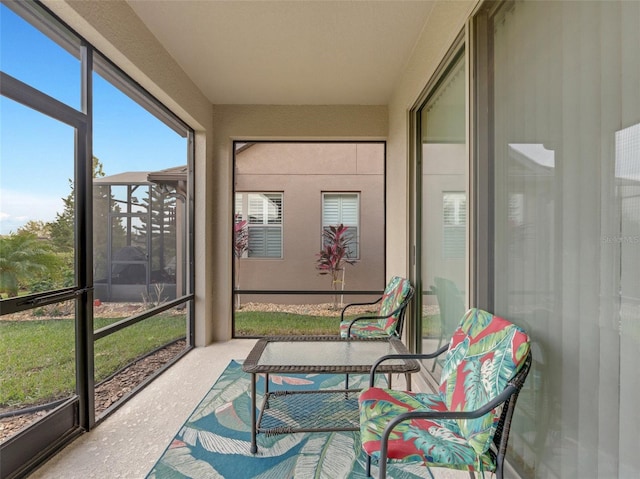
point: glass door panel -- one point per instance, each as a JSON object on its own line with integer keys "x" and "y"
{"x": 443, "y": 207}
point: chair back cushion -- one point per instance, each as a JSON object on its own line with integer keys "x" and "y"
{"x": 394, "y": 294}
{"x": 484, "y": 354}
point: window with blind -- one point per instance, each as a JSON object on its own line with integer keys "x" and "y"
{"x": 343, "y": 208}
{"x": 263, "y": 213}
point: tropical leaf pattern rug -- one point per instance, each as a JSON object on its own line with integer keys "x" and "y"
{"x": 214, "y": 442}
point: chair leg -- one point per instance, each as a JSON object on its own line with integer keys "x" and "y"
{"x": 368, "y": 466}
{"x": 407, "y": 377}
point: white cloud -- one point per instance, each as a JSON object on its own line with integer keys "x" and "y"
{"x": 19, "y": 207}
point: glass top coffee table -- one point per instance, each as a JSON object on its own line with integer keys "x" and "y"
{"x": 316, "y": 411}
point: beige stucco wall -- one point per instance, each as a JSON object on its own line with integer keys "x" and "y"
{"x": 302, "y": 172}
{"x": 114, "y": 29}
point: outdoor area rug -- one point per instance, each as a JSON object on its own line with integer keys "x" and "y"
{"x": 214, "y": 442}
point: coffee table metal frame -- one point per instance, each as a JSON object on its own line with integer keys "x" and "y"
{"x": 276, "y": 355}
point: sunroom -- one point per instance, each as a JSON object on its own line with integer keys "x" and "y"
{"x": 511, "y": 182}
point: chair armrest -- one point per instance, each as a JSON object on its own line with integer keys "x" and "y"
{"x": 361, "y": 318}
{"x": 397, "y": 311}
{"x": 403, "y": 356}
{"x": 358, "y": 304}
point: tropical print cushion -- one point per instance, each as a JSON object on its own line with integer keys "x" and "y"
{"x": 394, "y": 294}
{"x": 363, "y": 329}
{"x": 484, "y": 353}
{"x": 433, "y": 442}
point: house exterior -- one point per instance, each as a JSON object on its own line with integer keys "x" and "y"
{"x": 310, "y": 186}
{"x": 547, "y": 160}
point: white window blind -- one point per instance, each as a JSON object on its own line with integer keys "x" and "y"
{"x": 263, "y": 212}
{"x": 343, "y": 208}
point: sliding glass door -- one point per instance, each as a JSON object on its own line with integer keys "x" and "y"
{"x": 440, "y": 180}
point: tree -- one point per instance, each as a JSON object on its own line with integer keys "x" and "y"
{"x": 26, "y": 259}
{"x": 162, "y": 228}
{"x": 334, "y": 256}
{"x": 63, "y": 228}
{"x": 37, "y": 227}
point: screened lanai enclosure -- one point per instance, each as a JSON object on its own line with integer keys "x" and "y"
{"x": 139, "y": 239}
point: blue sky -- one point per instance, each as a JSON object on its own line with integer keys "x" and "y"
{"x": 36, "y": 152}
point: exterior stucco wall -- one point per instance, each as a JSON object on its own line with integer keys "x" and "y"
{"x": 114, "y": 29}
{"x": 302, "y": 172}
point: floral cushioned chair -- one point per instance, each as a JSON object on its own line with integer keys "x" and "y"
{"x": 389, "y": 318}
{"x": 466, "y": 424}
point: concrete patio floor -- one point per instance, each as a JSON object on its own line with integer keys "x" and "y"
{"x": 129, "y": 442}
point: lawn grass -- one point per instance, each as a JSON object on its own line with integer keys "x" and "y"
{"x": 37, "y": 357}
{"x": 37, "y": 361}
{"x": 262, "y": 323}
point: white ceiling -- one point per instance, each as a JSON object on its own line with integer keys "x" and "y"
{"x": 294, "y": 52}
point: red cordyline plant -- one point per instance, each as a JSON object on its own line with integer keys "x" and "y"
{"x": 240, "y": 238}
{"x": 240, "y": 246}
{"x": 333, "y": 257}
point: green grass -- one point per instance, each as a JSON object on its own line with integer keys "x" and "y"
{"x": 258, "y": 323}
{"x": 37, "y": 361}
{"x": 37, "y": 358}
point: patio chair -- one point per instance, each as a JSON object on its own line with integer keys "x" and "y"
{"x": 389, "y": 318}
{"x": 466, "y": 424}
